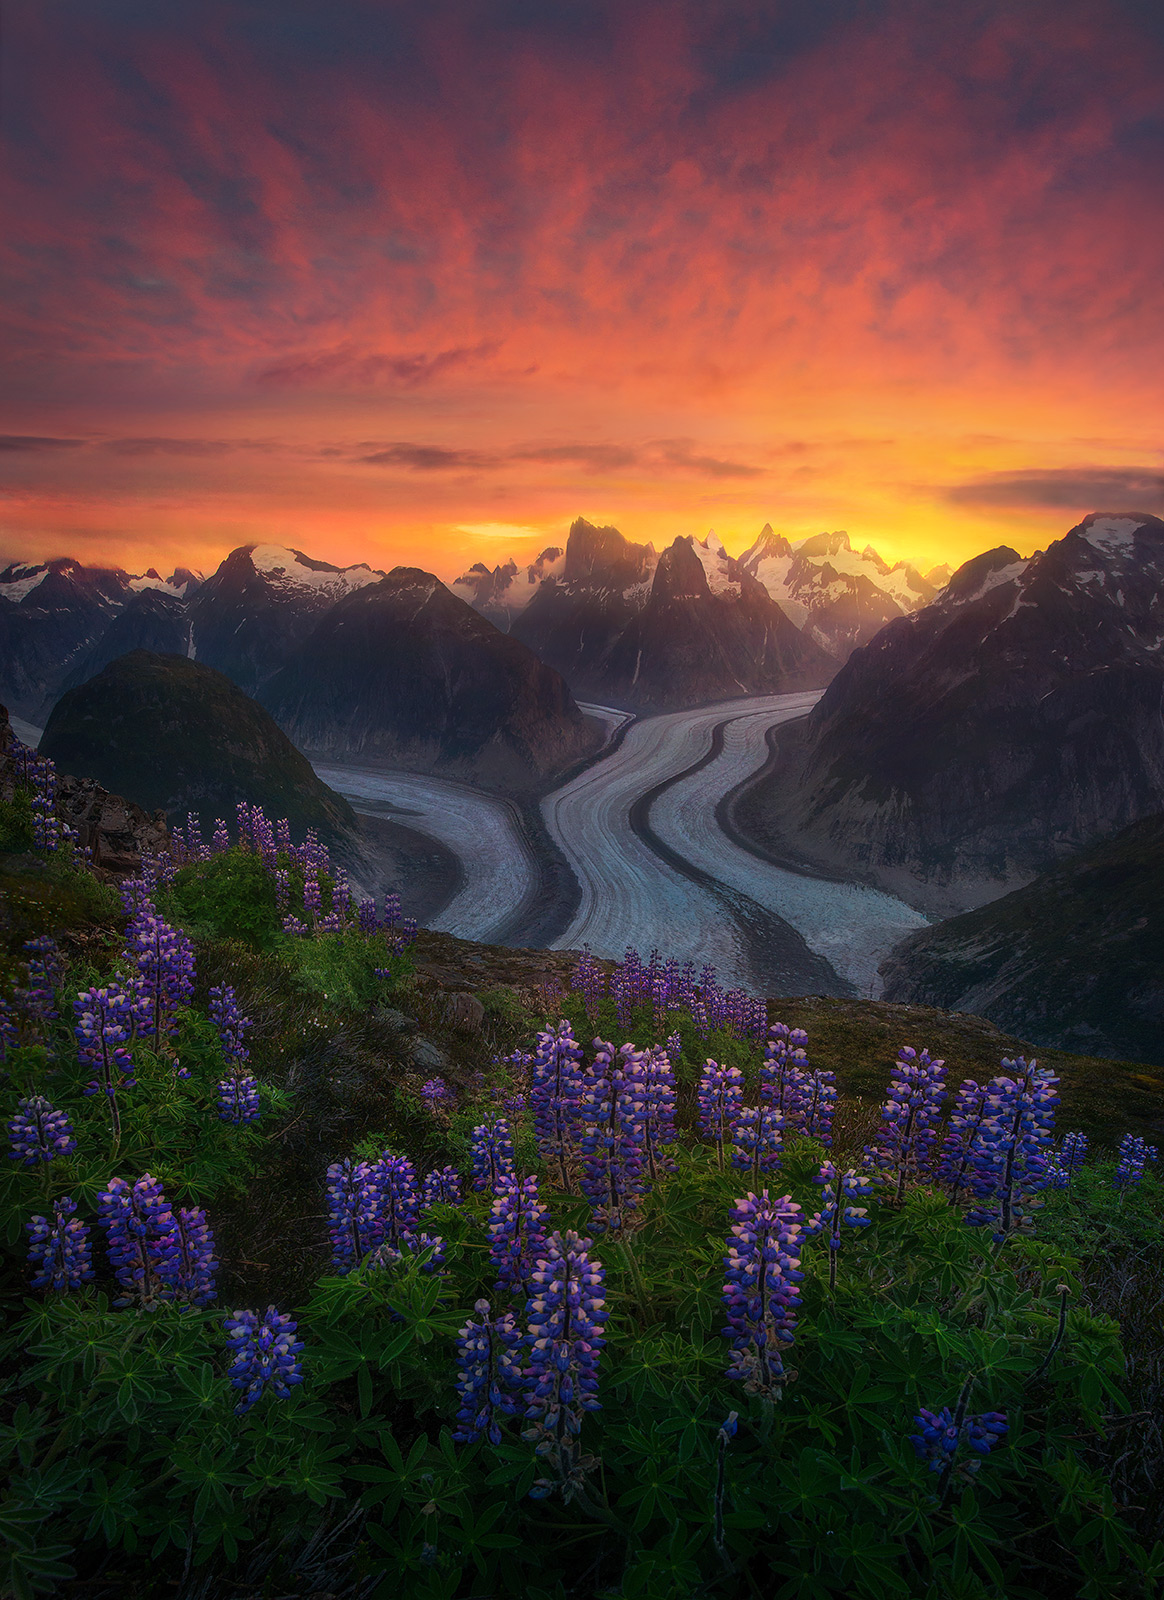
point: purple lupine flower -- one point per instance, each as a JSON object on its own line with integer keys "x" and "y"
{"x": 39, "y": 1133}
{"x": 105, "y": 1019}
{"x": 238, "y": 1099}
{"x": 366, "y": 915}
{"x": 283, "y": 836}
{"x": 839, "y": 1191}
{"x": 490, "y": 1380}
{"x": 230, "y": 1023}
{"x": 162, "y": 959}
{"x": 565, "y": 1314}
{"x": 612, "y": 1117}
{"x": 60, "y": 1248}
{"x": 355, "y": 1224}
{"x": 1134, "y": 1155}
{"x": 282, "y": 889}
{"x": 554, "y": 1097}
{"x": 969, "y": 1120}
{"x": 760, "y": 1287}
{"x": 659, "y": 1097}
{"x": 341, "y": 897}
{"x": 441, "y": 1187}
{"x": 720, "y": 1096}
{"x": 418, "y": 1243}
{"x": 220, "y": 840}
{"x": 819, "y": 1104}
{"x": 1068, "y": 1159}
{"x": 1011, "y": 1148}
{"x": 264, "y": 1355}
{"x": 136, "y": 897}
{"x": 908, "y": 1134}
{"x": 940, "y": 1434}
{"x": 757, "y": 1137}
{"x": 294, "y": 925}
{"x": 37, "y": 998}
{"x": 182, "y": 1259}
{"x": 785, "y": 1077}
{"x": 492, "y": 1148}
{"x": 517, "y": 1232}
{"x": 399, "y": 1196}
{"x": 134, "y": 1216}
{"x": 312, "y": 898}
{"x": 434, "y": 1093}
{"x": 589, "y": 980}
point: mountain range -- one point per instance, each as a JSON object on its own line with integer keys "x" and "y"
{"x": 630, "y": 627}
{"x": 1010, "y": 723}
{"x": 838, "y": 596}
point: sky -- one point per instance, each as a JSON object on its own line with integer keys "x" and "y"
{"x": 421, "y": 283}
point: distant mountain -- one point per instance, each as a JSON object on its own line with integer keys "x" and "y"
{"x": 707, "y": 632}
{"x": 1010, "y": 723}
{"x": 53, "y": 613}
{"x": 841, "y": 597}
{"x": 153, "y": 619}
{"x": 574, "y": 620}
{"x": 503, "y": 592}
{"x": 623, "y": 624}
{"x": 1075, "y": 961}
{"x": 175, "y": 735}
{"x": 402, "y": 671}
{"x": 263, "y": 601}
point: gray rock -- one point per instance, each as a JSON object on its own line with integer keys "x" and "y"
{"x": 397, "y": 1021}
{"x": 427, "y": 1057}
{"x": 466, "y": 1012}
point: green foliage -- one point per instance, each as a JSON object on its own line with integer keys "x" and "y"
{"x": 124, "y": 1453}
{"x": 230, "y": 896}
{"x": 16, "y": 822}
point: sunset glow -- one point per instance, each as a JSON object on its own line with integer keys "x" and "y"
{"x": 421, "y": 283}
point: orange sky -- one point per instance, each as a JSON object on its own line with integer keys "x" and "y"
{"x": 426, "y": 283}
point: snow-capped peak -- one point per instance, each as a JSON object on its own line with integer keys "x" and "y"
{"x": 716, "y": 563}
{"x": 291, "y": 568}
{"x": 1112, "y": 535}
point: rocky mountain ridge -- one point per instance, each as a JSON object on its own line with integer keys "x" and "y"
{"x": 1010, "y": 723}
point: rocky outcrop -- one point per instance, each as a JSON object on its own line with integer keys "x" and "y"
{"x": 573, "y": 621}
{"x": 1074, "y": 961}
{"x": 502, "y": 593}
{"x": 839, "y": 596}
{"x": 176, "y": 736}
{"x": 1006, "y": 726}
{"x": 403, "y": 672}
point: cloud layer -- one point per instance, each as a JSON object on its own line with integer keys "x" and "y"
{"x": 666, "y": 263}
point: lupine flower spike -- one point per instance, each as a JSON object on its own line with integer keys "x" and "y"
{"x": 39, "y": 1133}
{"x": 565, "y": 1312}
{"x": 490, "y": 1381}
{"x": 761, "y": 1288}
{"x": 1134, "y": 1155}
{"x": 265, "y": 1355}
{"x": 59, "y": 1248}
{"x": 839, "y": 1191}
{"x": 908, "y": 1134}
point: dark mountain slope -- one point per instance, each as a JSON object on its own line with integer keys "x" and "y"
{"x": 152, "y": 620}
{"x": 404, "y": 672}
{"x": 1075, "y": 960}
{"x": 573, "y": 621}
{"x": 259, "y": 606}
{"x": 1006, "y": 726}
{"x": 175, "y": 735}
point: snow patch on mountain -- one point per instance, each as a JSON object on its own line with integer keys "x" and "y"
{"x": 1112, "y": 535}
{"x": 23, "y": 580}
{"x": 293, "y": 568}
{"x": 716, "y": 564}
